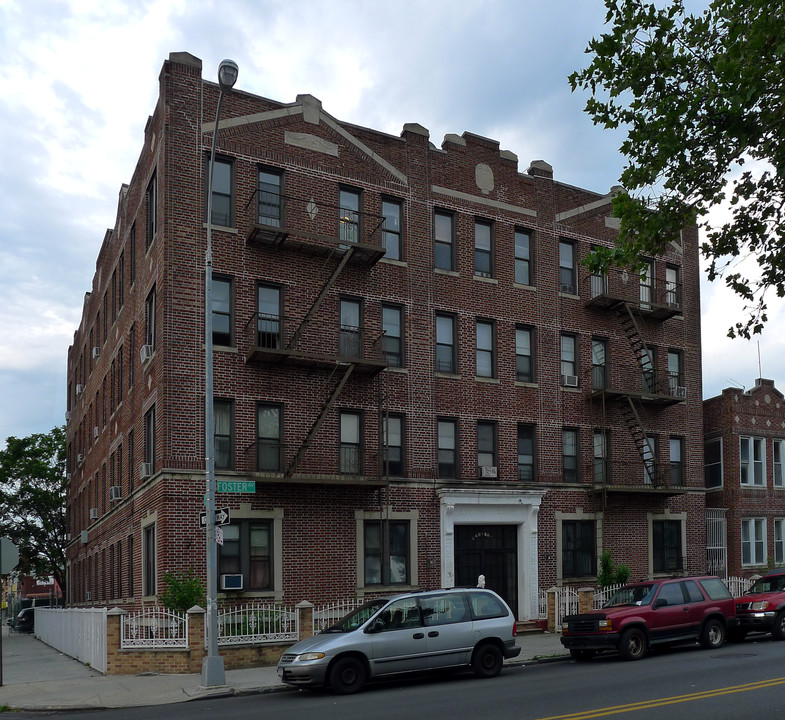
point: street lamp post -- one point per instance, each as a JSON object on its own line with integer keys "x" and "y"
{"x": 213, "y": 665}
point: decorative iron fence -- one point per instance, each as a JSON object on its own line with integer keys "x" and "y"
{"x": 154, "y": 627}
{"x": 326, "y": 615}
{"x": 257, "y": 623}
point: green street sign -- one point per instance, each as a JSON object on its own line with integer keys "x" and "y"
{"x": 235, "y": 486}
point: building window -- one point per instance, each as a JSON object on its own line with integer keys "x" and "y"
{"x": 600, "y": 452}
{"x": 676, "y": 374}
{"x": 445, "y": 344}
{"x": 350, "y": 230}
{"x": 569, "y": 451}
{"x": 248, "y": 550}
{"x": 647, "y": 284}
{"x": 151, "y": 202}
{"x": 778, "y": 448}
{"x": 121, "y": 280}
{"x": 131, "y": 354}
{"x": 391, "y": 231}
{"x": 270, "y": 207}
{"x": 392, "y": 343}
{"x": 486, "y": 445}
{"x": 753, "y": 541}
{"x": 268, "y": 322}
{"x": 221, "y": 301}
{"x": 712, "y": 467}
{"x": 567, "y": 273}
{"x": 667, "y": 555}
{"x": 132, "y": 245}
{"x": 524, "y": 354}
{"x": 569, "y": 361}
{"x": 650, "y": 460}
{"x": 444, "y": 241}
{"x": 114, "y": 295}
{"x": 578, "y": 548}
{"x": 120, "y": 375}
{"x": 485, "y": 352}
{"x": 351, "y": 443}
{"x": 149, "y": 585}
{"x": 673, "y": 286}
{"x": 268, "y": 438}
{"x": 386, "y": 552}
{"x": 752, "y": 463}
{"x": 149, "y": 438}
{"x": 223, "y": 415}
{"x": 779, "y": 541}
{"x": 223, "y": 192}
{"x": 393, "y": 443}
{"x": 149, "y": 319}
{"x": 447, "y": 431}
{"x": 648, "y": 372}
{"x": 525, "y": 452}
{"x": 350, "y": 340}
{"x": 131, "y": 468}
{"x": 483, "y": 248}
{"x": 599, "y": 364}
{"x": 523, "y": 273}
{"x": 677, "y": 461}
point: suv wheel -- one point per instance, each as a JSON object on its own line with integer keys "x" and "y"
{"x": 632, "y": 645}
{"x": 487, "y": 661}
{"x": 347, "y": 676}
{"x": 778, "y": 631}
{"x": 713, "y": 634}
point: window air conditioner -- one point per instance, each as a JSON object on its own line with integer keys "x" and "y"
{"x": 569, "y": 380}
{"x": 79, "y": 458}
{"x": 145, "y": 470}
{"x": 96, "y": 352}
{"x": 94, "y": 513}
{"x": 115, "y": 493}
{"x": 95, "y": 432}
{"x": 146, "y": 352}
{"x": 568, "y": 289}
{"x": 79, "y": 388}
{"x": 231, "y": 582}
{"x": 67, "y": 415}
{"x": 83, "y": 537}
{"x": 488, "y": 471}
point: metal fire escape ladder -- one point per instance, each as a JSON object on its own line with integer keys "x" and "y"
{"x": 642, "y": 353}
{"x": 320, "y": 418}
{"x": 642, "y": 443}
{"x": 347, "y": 254}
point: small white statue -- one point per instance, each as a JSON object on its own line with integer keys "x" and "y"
{"x": 481, "y": 581}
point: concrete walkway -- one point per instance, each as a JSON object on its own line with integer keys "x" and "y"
{"x": 37, "y": 677}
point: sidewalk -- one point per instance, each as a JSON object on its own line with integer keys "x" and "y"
{"x": 37, "y": 677}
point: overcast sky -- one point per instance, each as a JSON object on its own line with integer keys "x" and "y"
{"x": 78, "y": 79}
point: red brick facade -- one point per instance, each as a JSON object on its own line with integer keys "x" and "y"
{"x": 745, "y": 442}
{"x": 316, "y": 517}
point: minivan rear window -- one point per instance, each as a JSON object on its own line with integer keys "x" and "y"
{"x": 485, "y": 605}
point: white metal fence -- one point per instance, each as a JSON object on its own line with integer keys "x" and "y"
{"x": 78, "y": 632}
{"x": 154, "y": 627}
{"x": 257, "y": 623}
{"x": 326, "y": 615}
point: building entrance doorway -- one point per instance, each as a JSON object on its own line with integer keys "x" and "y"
{"x": 489, "y": 550}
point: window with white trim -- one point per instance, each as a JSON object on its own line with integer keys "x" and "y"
{"x": 753, "y": 542}
{"x": 752, "y": 461}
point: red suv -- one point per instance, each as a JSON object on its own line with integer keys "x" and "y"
{"x": 654, "y": 612}
{"x": 762, "y": 607}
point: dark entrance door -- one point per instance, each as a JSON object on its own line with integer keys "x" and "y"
{"x": 489, "y": 550}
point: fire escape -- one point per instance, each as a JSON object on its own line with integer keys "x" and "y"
{"x": 633, "y": 390}
{"x": 340, "y": 238}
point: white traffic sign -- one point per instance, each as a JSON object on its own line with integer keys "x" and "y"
{"x": 222, "y": 517}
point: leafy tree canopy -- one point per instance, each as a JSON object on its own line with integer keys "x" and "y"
{"x": 702, "y": 98}
{"x": 32, "y": 501}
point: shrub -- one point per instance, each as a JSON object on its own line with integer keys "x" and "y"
{"x": 182, "y": 590}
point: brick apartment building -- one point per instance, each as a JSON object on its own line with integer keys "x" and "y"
{"x": 413, "y": 370}
{"x": 745, "y": 484}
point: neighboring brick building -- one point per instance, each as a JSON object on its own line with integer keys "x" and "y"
{"x": 744, "y": 450}
{"x": 373, "y": 288}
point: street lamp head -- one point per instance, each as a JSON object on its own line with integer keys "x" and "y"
{"x": 227, "y": 74}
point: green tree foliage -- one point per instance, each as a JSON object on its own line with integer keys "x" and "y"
{"x": 610, "y": 575}
{"x": 702, "y": 99}
{"x": 182, "y": 590}
{"x": 32, "y": 501}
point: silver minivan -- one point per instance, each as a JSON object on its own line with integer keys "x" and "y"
{"x": 418, "y": 631}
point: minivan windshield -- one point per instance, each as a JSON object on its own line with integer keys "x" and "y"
{"x": 631, "y": 595}
{"x": 357, "y": 617}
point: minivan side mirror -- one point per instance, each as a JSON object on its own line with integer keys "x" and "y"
{"x": 375, "y": 627}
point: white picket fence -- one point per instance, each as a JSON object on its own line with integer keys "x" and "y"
{"x": 78, "y": 632}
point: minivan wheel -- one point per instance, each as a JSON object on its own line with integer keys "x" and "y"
{"x": 632, "y": 645}
{"x": 778, "y": 631}
{"x": 713, "y": 634}
{"x": 487, "y": 661}
{"x": 347, "y": 676}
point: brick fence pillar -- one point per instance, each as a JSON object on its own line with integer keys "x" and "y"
{"x": 196, "y": 640}
{"x": 585, "y": 600}
{"x": 552, "y": 609}
{"x": 114, "y": 663}
{"x": 305, "y": 620}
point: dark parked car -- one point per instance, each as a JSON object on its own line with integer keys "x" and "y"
{"x": 643, "y": 614}
{"x": 25, "y": 620}
{"x": 762, "y": 607}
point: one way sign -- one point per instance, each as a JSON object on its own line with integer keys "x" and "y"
{"x": 221, "y": 517}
